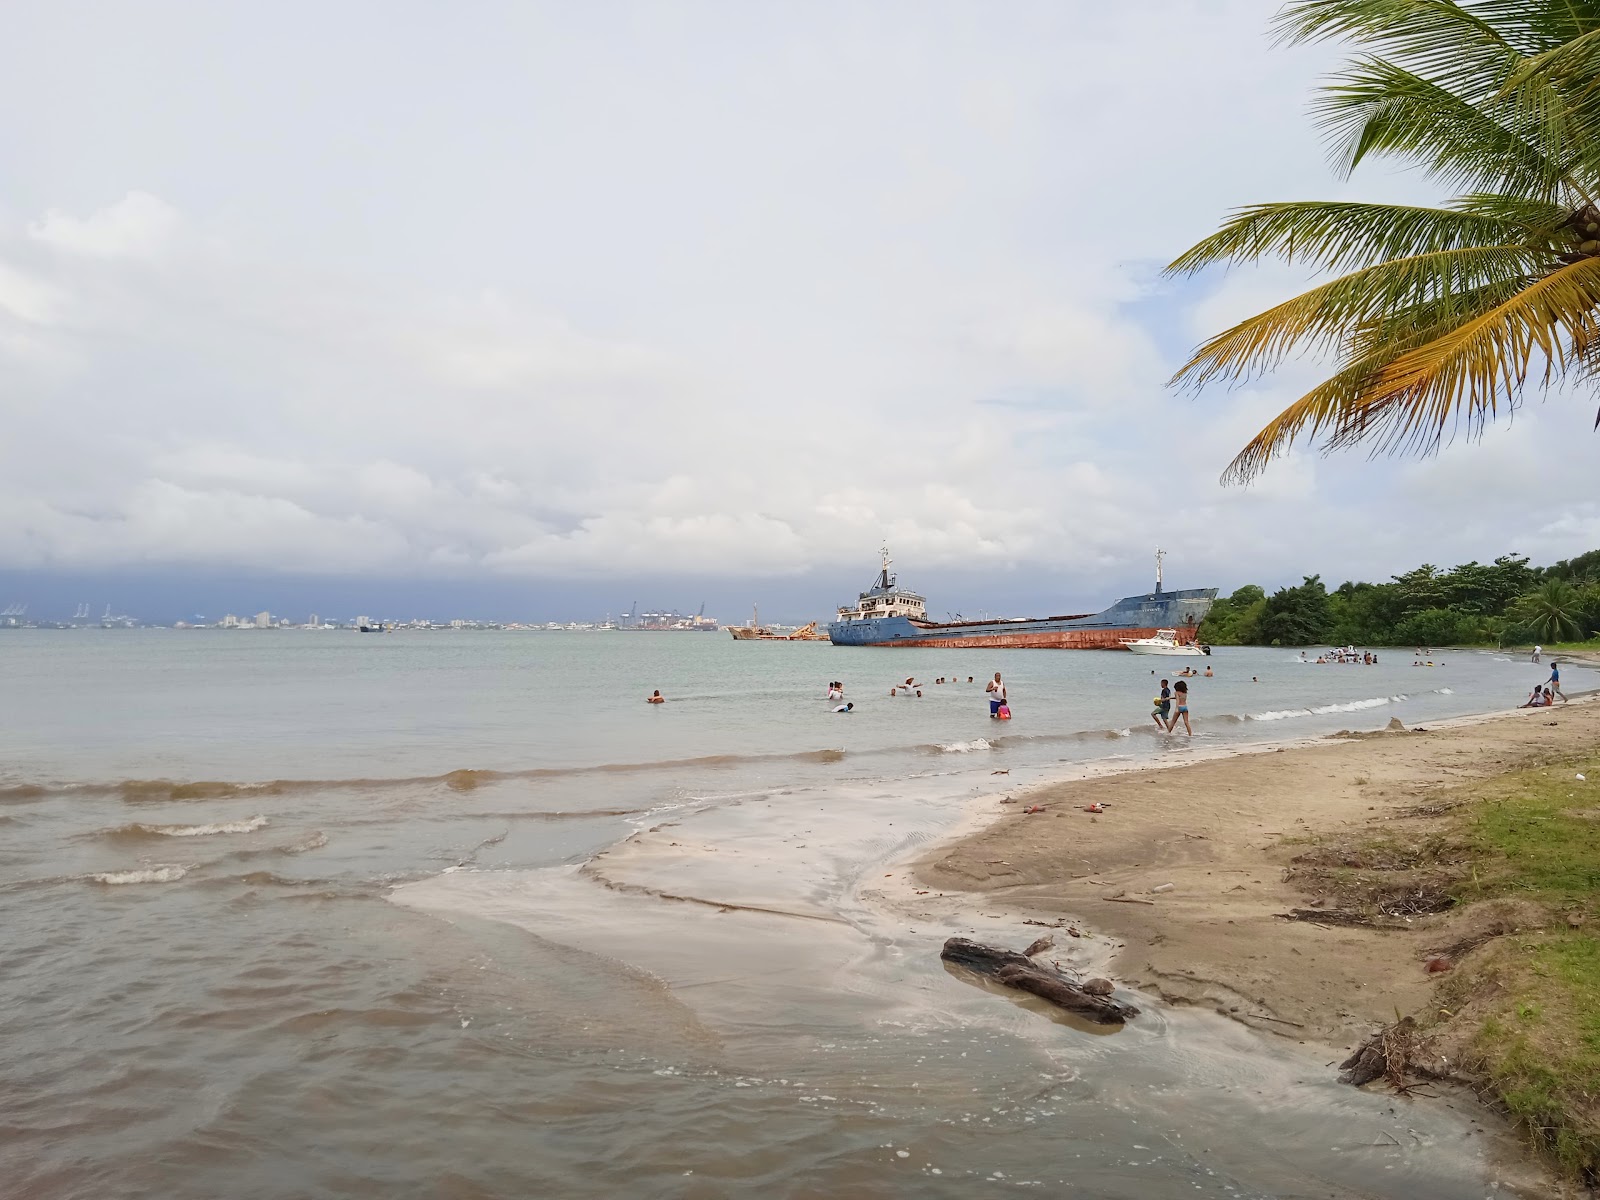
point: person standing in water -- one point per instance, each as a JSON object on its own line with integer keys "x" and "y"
{"x": 1537, "y": 651}
{"x": 1182, "y": 698}
{"x": 1163, "y": 706}
{"x": 997, "y": 694}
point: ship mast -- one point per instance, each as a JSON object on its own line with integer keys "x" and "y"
{"x": 1160, "y": 554}
{"x": 884, "y": 581}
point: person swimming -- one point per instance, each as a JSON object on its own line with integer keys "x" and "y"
{"x": 655, "y": 697}
{"x": 847, "y": 706}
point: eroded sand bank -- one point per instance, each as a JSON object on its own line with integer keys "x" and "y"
{"x": 1221, "y": 833}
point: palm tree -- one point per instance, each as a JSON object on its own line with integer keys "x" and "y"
{"x": 1439, "y": 318}
{"x": 1552, "y": 612}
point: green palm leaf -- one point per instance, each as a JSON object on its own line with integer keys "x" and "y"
{"x": 1442, "y": 317}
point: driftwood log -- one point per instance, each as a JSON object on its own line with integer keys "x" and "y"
{"x": 1016, "y": 971}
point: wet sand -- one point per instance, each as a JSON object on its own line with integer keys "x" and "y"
{"x": 1220, "y": 832}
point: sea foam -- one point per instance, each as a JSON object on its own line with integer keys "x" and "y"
{"x": 966, "y": 747}
{"x": 248, "y": 825}
{"x": 147, "y": 875}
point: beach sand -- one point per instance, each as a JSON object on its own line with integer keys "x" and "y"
{"x": 1221, "y": 832}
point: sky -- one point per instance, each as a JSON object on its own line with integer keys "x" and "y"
{"x": 538, "y": 308}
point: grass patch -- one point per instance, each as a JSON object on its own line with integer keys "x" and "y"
{"x": 1520, "y": 855}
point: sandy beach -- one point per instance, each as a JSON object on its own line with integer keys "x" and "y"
{"x": 1223, "y": 833}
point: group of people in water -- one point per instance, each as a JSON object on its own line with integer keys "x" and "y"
{"x": 1346, "y": 654}
{"x": 995, "y": 689}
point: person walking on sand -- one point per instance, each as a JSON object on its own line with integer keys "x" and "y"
{"x": 1554, "y": 682}
{"x": 1163, "y": 706}
{"x": 997, "y": 694}
{"x": 1182, "y": 698}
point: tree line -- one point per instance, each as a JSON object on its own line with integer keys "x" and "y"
{"x": 1503, "y": 603}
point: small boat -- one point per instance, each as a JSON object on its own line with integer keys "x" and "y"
{"x": 1165, "y": 641}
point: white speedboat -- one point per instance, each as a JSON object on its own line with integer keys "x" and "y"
{"x": 1165, "y": 641}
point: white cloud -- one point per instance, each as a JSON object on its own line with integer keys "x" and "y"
{"x": 137, "y": 226}
{"x": 734, "y": 293}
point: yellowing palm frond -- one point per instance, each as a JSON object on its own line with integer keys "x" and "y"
{"x": 1327, "y": 317}
{"x": 1482, "y": 365}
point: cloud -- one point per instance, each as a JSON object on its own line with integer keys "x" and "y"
{"x": 729, "y": 294}
{"x": 137, "y": 226}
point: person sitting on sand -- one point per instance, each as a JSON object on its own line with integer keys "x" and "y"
{"x": 655, "y": 698}
{"x": 1182, "y": 698}
{"x": 1534, "y": 701}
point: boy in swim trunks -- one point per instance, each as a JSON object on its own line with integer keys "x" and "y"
{"x": 1163, "y": 706}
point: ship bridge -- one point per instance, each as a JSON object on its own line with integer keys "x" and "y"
{"x": 885, "y": 599}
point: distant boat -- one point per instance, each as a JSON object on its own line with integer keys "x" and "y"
{"x": 372, "y": 629}
{"x": 757, "y": 632}
{"x": 1165, "y": 641}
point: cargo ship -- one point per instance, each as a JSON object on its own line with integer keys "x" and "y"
{"x": 888, "y": 615}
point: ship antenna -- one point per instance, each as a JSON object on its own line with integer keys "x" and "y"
{"x": 1160, "y": 554}
{"x": 885, "y": 582}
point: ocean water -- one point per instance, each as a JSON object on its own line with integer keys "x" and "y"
{"x": 297, "y": 914}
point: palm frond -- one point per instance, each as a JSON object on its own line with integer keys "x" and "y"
{"x": 1482, "y": 365}
{"x": 1368, "y": 352}
{"x": 1378, "y": 108}
{"x": 1330, "y": 315}
{"x": 1336, "y": 235}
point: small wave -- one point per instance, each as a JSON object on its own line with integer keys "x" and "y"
{"x": 313, "y": 841}
{"x": 1445, "y": 691}
{"x": 145, "y": 875}
{"x": 21, "y": 793}
{"x": 966, "y": 747}
{"x": 1279, "y": 714}
{"x": 141, "y": 830}
{"x": 1352, "y": 705}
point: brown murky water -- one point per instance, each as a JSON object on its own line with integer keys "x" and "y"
{"x": 678, "y": 981}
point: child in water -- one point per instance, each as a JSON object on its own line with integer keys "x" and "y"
{"x": 1182, "y": 697}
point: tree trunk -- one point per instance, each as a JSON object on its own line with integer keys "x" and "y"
{"x": 1016, "y": 971}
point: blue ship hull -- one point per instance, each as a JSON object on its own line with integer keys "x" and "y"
{"x": 1131, "y": 617}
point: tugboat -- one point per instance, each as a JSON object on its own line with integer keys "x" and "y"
{"x": 888, "y": 615}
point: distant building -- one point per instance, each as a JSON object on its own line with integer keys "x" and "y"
{"x": 315, "y": 621}
{"x": 229, "y": 622}
{"x": 263, "y": 620}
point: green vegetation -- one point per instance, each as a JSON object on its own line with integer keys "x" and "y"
{"x": 1515, "y": 860}
{"x": 1438, "y": 319}
{"x": 1535, "y": 996}
{"x": 1503, "y": 603}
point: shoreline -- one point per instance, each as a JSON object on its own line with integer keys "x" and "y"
{"x": 1222, "y": 830}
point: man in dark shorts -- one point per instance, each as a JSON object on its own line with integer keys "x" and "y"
{"x": 1163, "y": 707}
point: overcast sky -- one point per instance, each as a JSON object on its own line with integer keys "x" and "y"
{"x": 577, "y": 293}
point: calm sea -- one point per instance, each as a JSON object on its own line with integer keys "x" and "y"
{"x": 300, "y": 914}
